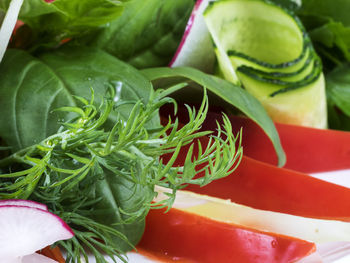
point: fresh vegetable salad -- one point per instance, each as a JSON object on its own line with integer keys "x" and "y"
{"x": 191, "y": 131}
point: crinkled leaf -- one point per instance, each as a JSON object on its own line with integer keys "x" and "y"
{"x": 147, "y": 34}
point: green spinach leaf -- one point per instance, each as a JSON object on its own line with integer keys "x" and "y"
{"x": 147, "y": 34}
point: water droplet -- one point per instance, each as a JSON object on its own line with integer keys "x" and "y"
{"x": 274, "y": 243}
{"x": 118, "y": 90}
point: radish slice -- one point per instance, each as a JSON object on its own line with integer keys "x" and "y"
{"x": 37, "y": 258}
{"x": 196, "y": 47}
{"x": 20, "y": 202}
{"x": 25, "y": 230}
{"x": 9, "y": 24}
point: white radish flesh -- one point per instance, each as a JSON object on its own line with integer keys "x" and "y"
{"x": 21, "y": 202}
{"x": 25, "y": 230}
{"x": 37, "y": 258}
{"x": 196, "y": 47}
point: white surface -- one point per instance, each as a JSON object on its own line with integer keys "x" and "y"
{"x": 341, "y": 177}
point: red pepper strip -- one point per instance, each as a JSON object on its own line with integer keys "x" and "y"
{"x": 184, "y": 237}
{"x": 308, "y": 150}
{"x": 267, "y": 187}
{"x": 263, "y": 186}
{"x": 53, "y": 253}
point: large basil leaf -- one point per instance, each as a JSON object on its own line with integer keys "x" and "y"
{"x": 60, "y": 19}
{"x": 31, "y": 88}
{"x": 147, "y": 34}
{"x": 29, "y": 91}
{"x": 229, "y": 92}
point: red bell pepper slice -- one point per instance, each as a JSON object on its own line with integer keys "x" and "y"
{"x": 53, "y": 253}
{"x": 184, "y": 237}
{"x": 263, "y": 186}
{"x": 308, "y": 150}
{"x": 268, "y": 187}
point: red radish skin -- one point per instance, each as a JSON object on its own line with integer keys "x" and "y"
{"x": 184, "y": 237}
{"x": 187, "y": 30}
{"x": 196, "y": 48}
{"x": 21, "y": 202}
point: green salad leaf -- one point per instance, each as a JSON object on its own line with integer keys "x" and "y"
{"x": 54, "y": 21}
{"x": 328, "y": 25}
{"x": 338, "y": 95}
{"x": 147, "y": 34}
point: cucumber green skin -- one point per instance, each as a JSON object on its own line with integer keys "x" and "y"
{"x": 300, "y": 102}
{"x": 304, "y": 106}
{"x": 261, "y": 63}
{"x": 285, "y": 86}
{"x": 289, "y": 71}
{"x": 283, "y": 73}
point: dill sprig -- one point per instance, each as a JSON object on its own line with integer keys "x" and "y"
{"x": 90, "y": 167}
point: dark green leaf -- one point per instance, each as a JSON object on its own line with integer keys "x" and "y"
{"x": 147, "y": 34}
{"x": 118, "y": 196}
{"x": 337, "y": 10}
{"x": 328, "y": 24}
{"x": 338, "y": 94}
{"x": 30, "y": 89}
